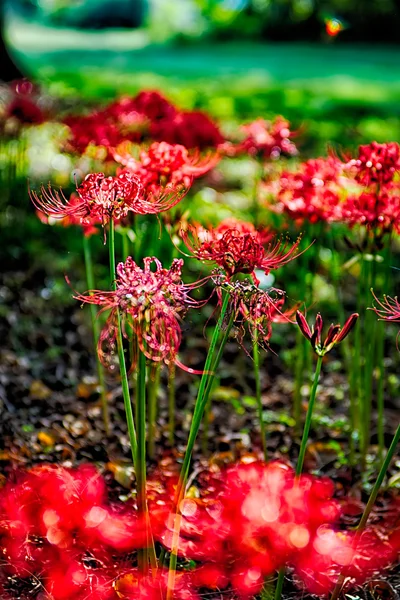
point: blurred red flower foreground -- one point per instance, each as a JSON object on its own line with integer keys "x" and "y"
{"x": 58, "y": 527}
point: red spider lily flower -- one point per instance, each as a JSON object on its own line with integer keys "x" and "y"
{"x": 155, "y": 301}
{"x": 192, "y": 129}
{"x": 259, "y": 310}
{"x": 333, "y": 552}
{"x": 263, "y": 235}
{"x": 151, "y": 104}
{"x": 335, "y": 335}
{"x": 388, "y": 308}
{"x": 95, "y": 129}
{"x": 268, "y": 139}
{"x": 90, "y": 225}
{"x": 238, "y": 252}
{"x": 376, "y": 163}
{"x": 378, "y": 212}
{"x": 312, "y": 193}
{"x": 105, "y": 198}
{"x": 165, "y": 165}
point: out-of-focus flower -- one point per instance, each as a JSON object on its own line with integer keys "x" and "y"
{"x": 238, "y": 252}
{"x": 380, "y": 212}
{"x": 165, "y": 165}
{"x": 335, "y": 335}
{"x": 132, "y": 585}
{"x": 333, "y": 552}
{"x": 149, "y": 103}
{"x": 155, "y": 302}
{"x": 376, "y": 163}
{"x": 267, "y": 139}
{"x": 190, "y": 129}
{"x": 312, "y": 193}
{"x": 95, "y": 129}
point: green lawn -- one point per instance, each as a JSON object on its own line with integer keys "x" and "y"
{"x": 340, "y": 94}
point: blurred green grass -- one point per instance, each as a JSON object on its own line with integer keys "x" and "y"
{"x": 339, "y": 95}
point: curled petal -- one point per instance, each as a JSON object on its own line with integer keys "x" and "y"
{"x": 304, "y": 327}
{"x": 347, "y": 327}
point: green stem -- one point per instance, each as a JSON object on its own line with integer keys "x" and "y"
{"x": 141, "y": 454}
{"x": 369, "y": 506}
{"x": 202, "y": 397}
{"x": 96, "y": 333}
{"x": 279, "y": 584}
{"x": 256, "y": 359}
{"x": 121, "y": 355}
{"x": 307, "y": 424}
{"x": 153, "y": 385}
{"x": 356, "y": 387}
{"x": 370, "y": 323}
{"x": 211, "y": 382}
{"x": 171, "y": 404}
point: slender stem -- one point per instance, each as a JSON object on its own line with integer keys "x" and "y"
{"x": 369, "y": 506}
{"x": 171, "y": 404}
{"x": 96, "y": 333}
{"x": 121, "y": 355}
{"x": 211, "y": 382}
{"x": 125, "y": 245}
{"x": 307, "y": 424}
{"x": 201, "y": 402}
{"x": 356, "y": 387}
{"x": 256, "y": 359}
{"x": 153, "y": 385}
{"x": 141, "y": 453}
{"x": 369, "y": 327}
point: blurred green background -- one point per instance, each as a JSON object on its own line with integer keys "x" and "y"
{"x": 236, "y": 59}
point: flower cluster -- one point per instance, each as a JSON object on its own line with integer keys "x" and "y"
{"x": 312, "y": 193}
{"x": 151, "y": 303}
{"x": 147, "y": 116}
{"x": 376, "y": 164}
{"x": 267, "y": 139}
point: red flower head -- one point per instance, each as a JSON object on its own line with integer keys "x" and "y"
{"x": 165, "y": 165}
{"x": 190, "y": 129}
{"x": 268, "y": 139}
{"x": 238, "y": 252}
{"x": 132, "y": 585}
{"x": 153, "y": 105}
{"x": 388, "y": 309}
{"x": 96, "y": 129}
{"x": 106, "y": 198}
{"x": 155, "y": 300}
{"x": 378, "y": 212}
{"x": 335, "y": 335}
{"x": 376, "y": 163}
{"x": 312, "y": 193}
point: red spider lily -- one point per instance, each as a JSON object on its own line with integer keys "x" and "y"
{"x": 238, "y": 252}
{"x": 335, "y": 335}
{"x": 260, "y": 518}
{"x": 105, "y": 198}
{"x": 148, "y": 103}
{"x": 88, "y": 224}
{"x": 95, "y": 129}
{"x": 378, "y": 212}
{"x": 155, "y": 302}
{"x": 332, "y": 552}
{"x": 263, "y": 235}
{"x": 388, "y": 308}
{"x": 21, "y": 105}
{"x": 267, "y": 139}
{"x": 376, "y": 163}
{"x": 165, "y": 165}
{"x": 312, "y": 193}
{"x": 190, "y": 129}
{"x": 259, "y": 310}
